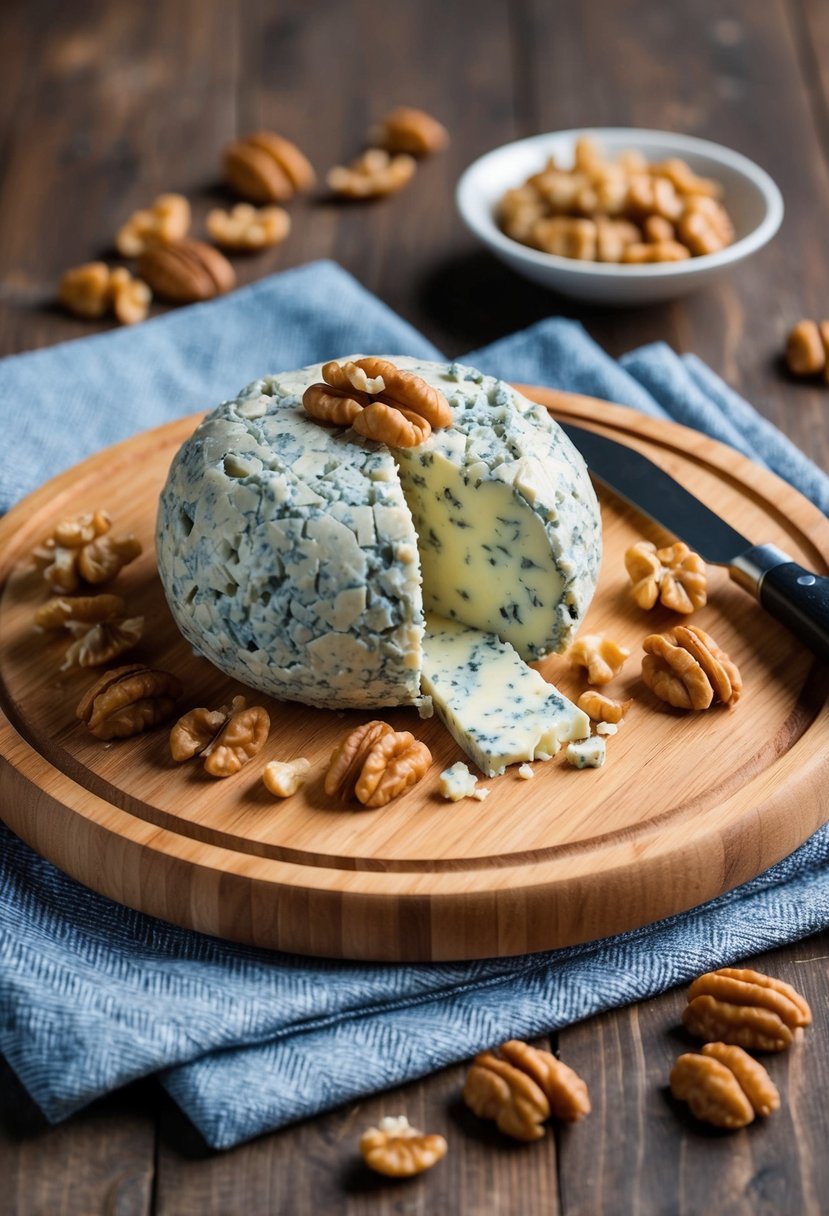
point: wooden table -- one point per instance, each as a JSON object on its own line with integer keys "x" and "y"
{"x": 105, "y": 104}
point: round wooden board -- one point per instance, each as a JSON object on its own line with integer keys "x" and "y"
{"x": 686, "y": 807}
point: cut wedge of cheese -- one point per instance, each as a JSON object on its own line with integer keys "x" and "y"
{"x": 497, "y": 708}
{"x": 299, "y": 558}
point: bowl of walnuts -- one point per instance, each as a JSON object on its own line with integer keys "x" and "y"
{"x": 619, "y": 215}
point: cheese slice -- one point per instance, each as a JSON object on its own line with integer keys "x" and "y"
{"x": 499, "y": 710}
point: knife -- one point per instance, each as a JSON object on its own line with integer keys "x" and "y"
{"x": 792, "y": 594}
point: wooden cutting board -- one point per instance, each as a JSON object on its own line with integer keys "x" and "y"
{"x": 686, "y": 807}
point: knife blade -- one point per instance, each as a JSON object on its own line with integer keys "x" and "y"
{"x": 795, "y": 596}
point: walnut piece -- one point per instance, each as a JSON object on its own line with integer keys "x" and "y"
{"x": 395, "y": 763}
{"x": 406, "y": 129}
{"x": 245, "y": 227}
{"x": 746, "y": 1008}
{"x": 674, "y": 575}
{"x": 267, "y": 168}
{"x": 602, "y": 657}
{"x": 131, "y": 298}
{"x": 128, "y": 700}
{"x": 240, "y": 739}
{"x": 399, "y": 428}
{"x": 186, "y": 271}
{"x": 84, "y": 290}
{"x": 195, "y": 731}
{"x": 82, "y": 550}
{"x": 723, "y": 1086}
{"x": 705, "y": 225}
{"x": 102, "y": 642}
{"x": 522, "y": 1087}
{"x": 62, "y": 610}
{"x": 600, "y": 708}
{"x": 350, "y": 755}
{"x": 688, "y": 669}
{"x": 283, "y": 778}
{"x": 805, "y": 349}
{"x": 375, "y": 763}
{"x": 380, "y": 401}
{"x": 168, "y": 219}
{"x": 374, "y": 174}
{"x": 658, "y": 251}
{"x": 398, "y": 1150}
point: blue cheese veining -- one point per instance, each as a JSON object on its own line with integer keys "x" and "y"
{"x": 298, "y": 557}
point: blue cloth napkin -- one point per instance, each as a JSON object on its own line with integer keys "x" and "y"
{"x": 93, "y": 995}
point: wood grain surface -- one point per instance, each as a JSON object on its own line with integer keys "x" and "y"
{"x": 564, "y": 858}
{"x": 102, "y": 105}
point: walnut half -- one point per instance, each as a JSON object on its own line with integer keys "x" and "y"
{"x": 687, "y": 669}
{"x": 375, "y": 764}
{"x": 522, "y": 1087}
{"x": 129, "y": 700}
{"x": 746, "y": 1008}
{"x": 226, "y": 738}
{"x": 724, "y": 1086}
{"x": 398, "y": 1150}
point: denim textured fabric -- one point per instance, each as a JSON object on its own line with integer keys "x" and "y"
{"x": 93, "y": 995}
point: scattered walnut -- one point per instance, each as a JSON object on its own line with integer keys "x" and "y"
{"x": 522, "y": 1088}
{"x": 243, "y": 736}
{"x": 168, "y": 219}
{"x": 806, "y": 349}
{"x": 395, "y": 762}
{"x": 675, "y": 576}
{"x": 687, "y": 669}
{"x": 374, "y": 174}
{"x": 186, "y": 271}
{"x": 103, "y": 642}
{"x": 406, "y": 129}
{"x": 398, "y": 1150}
{"x": 283, "y": 778}
{"x": 131, "y": 297}
{"x": 350, "y": 755}
{"x": 600, "y": 708}
{"x": 86, "y": 609}
{"x": 128, "y": 700}
{"x": 375, "y": 764}
{"x": 81, "y": 550}
{"x": 104, "y": 557}
{"x": 267, "y": 168}
{"x": 84, "y": 290}
{"x": 196, "y": 730}
{"x": 602, "y": 657}
{"x": 247, "y": 228}
{"x": 746, "y": 1008}
{"x": 724, "y": 1086}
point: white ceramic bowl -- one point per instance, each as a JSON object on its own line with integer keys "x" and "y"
{"x": 753, "y": 201}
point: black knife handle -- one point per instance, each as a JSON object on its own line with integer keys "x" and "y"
{"x": 800, "y": 600}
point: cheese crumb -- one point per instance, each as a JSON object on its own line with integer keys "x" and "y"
{"x": 525, "y": 772}
{"x": 587, "y": 753}
{"x": 457, "y": 782}
{"x": 606, "y": 728}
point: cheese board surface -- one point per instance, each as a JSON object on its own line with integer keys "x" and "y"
{"x": 686, "y": 807}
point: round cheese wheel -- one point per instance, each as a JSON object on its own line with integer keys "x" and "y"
{"x": 301, "y": 558}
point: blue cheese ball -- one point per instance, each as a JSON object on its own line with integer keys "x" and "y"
{"x": 300, "y": 559}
